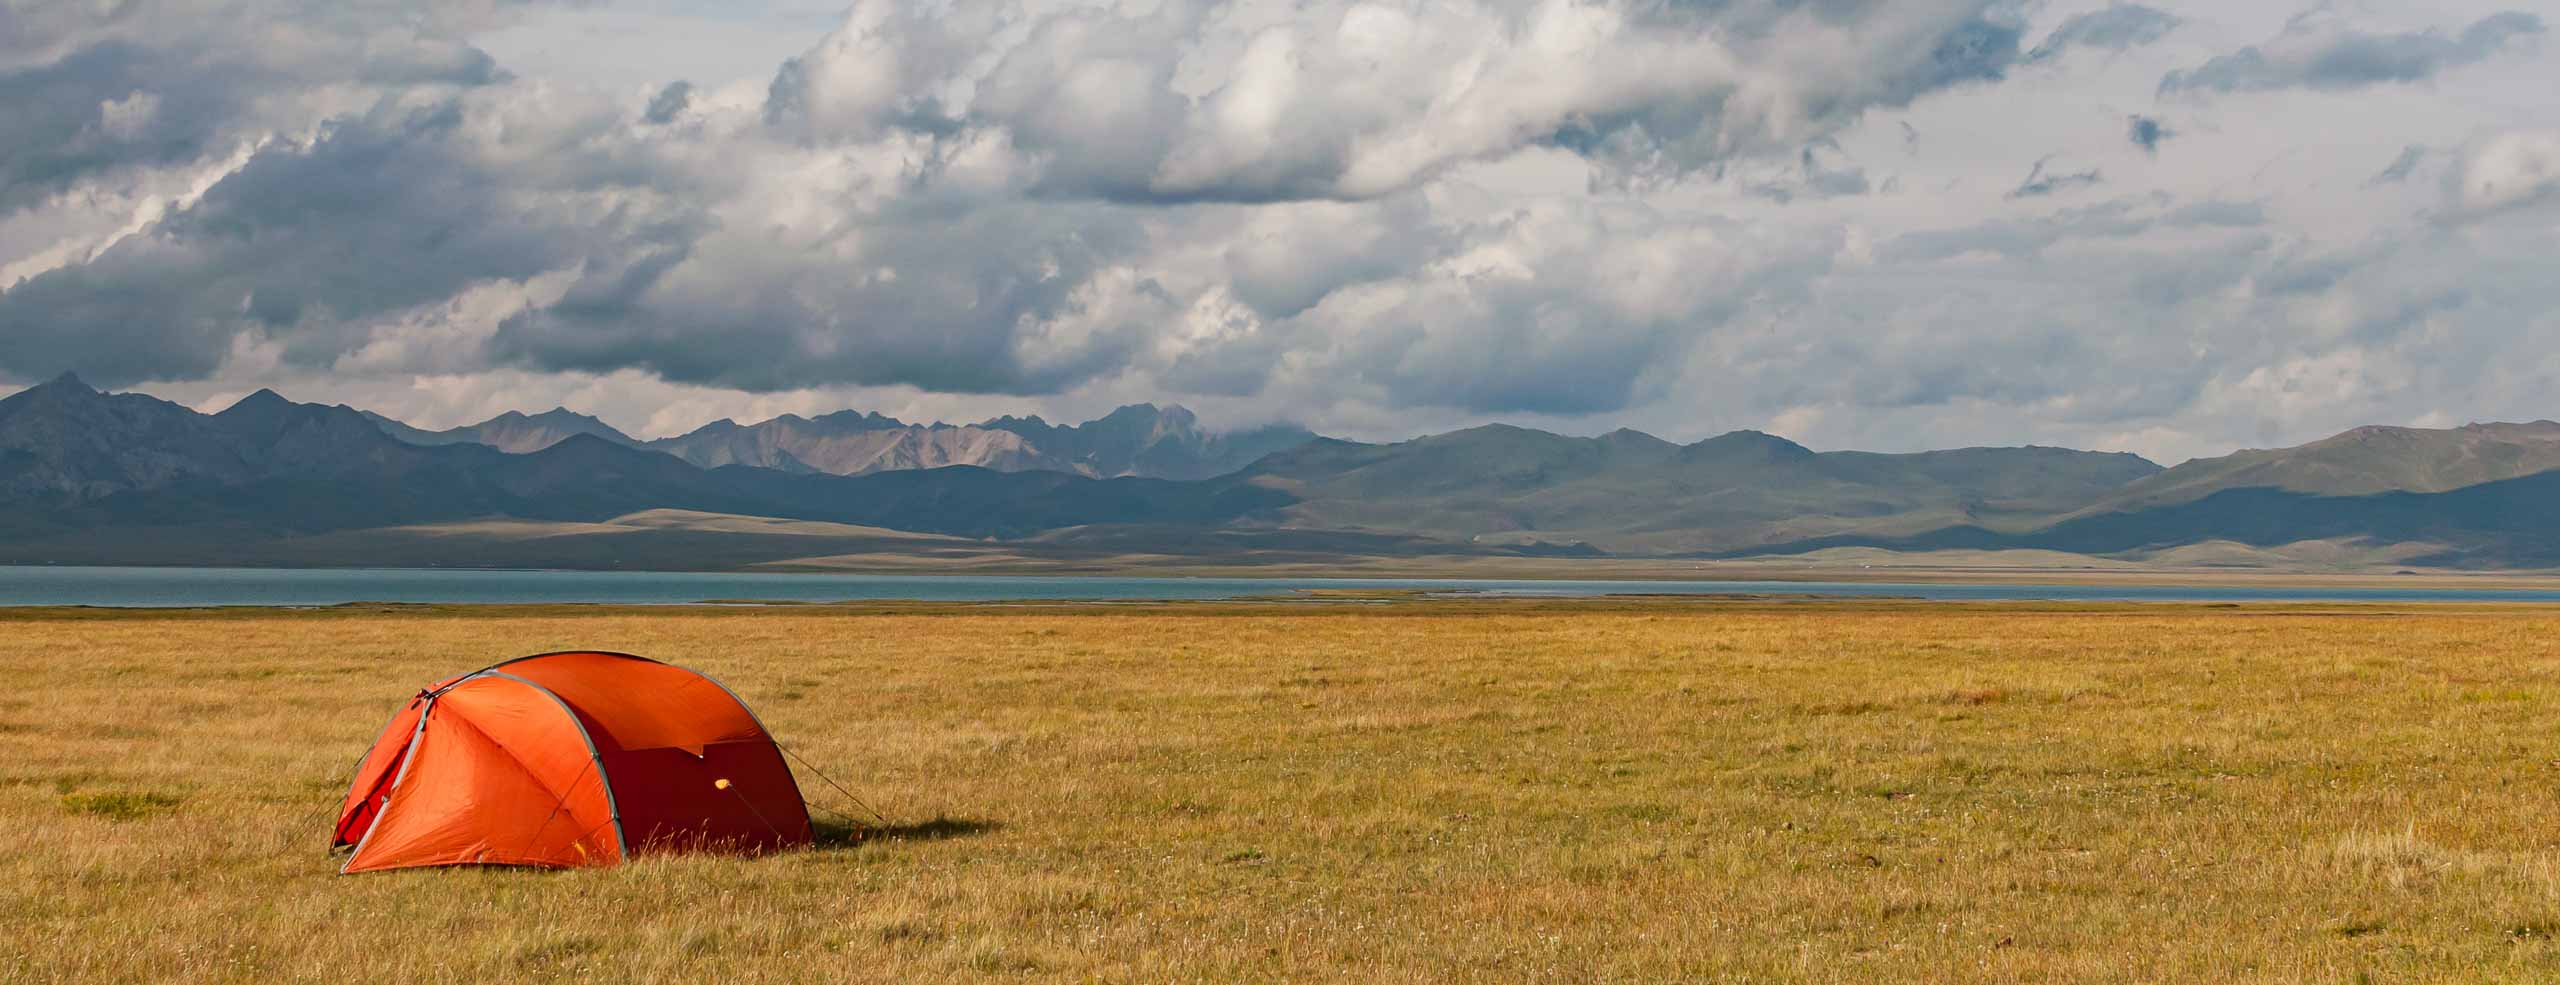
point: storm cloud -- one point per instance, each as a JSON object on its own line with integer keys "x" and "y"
{"x": 305, "y": 245}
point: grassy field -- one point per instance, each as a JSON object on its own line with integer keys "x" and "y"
{"x": 1416, "y": 792}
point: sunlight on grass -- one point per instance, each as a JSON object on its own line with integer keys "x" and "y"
{"x": 1416, "y": 792}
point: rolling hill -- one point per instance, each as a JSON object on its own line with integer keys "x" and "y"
{"x": 2506, "y": 523}
{"x": 1630, "y": 492}
{"x": 2364, "y": 460}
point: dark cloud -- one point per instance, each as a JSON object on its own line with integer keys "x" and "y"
{"x": 2401, "y": 167}
{"x": 2315, "y": 54}
{"x": 2116, "y": 28}
{"x": 104, "y": 88}
{"x": 786, "y": 98}
{"x": 108, "y": 106}
{"x": 310, "y": 249}
{"x": 2147, "y": 132}
{"x": 1978, "y": 49}
{"x": 669, "y": 103}
{"x": 301, "y": 246}
{"x": 1685, "y": 133}
{"x": 2041, "y": 182}
{"x": 115, "y": 105}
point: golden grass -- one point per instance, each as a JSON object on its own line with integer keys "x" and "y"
{"x": 1417, "y": 792}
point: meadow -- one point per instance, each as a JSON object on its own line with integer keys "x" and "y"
{"x": 1414, "y": 791}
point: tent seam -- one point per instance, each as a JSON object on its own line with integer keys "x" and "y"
{"x": 368, "y": 754}
{"x": 613, "y": 808}
{"x": 408, "y": 755}
{"x": 492, "y": 668}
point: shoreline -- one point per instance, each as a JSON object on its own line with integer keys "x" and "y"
{"x": 1524, "y": 571}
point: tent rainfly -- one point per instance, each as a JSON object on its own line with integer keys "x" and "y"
{"x": 561, "y": 760}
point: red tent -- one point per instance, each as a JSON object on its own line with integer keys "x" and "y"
{"x": 569, "y": 759}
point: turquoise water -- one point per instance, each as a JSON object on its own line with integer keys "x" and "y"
{"x": 131, "y": 587}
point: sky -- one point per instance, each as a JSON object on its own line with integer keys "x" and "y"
{"x": 2168, "y": 228}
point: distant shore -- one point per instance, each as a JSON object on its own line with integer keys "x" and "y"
{"x": 119, "y": 587}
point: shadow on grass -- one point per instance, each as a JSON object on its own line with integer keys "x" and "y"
{"x": 832, "y": 833}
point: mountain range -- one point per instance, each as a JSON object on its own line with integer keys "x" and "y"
{"x": 76, "y": 463}
{"x": 1630, "y": 492}
{"x": 1136, "y": 440}
{"x": 93, "y": 477}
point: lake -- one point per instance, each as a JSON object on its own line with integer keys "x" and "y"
{"x": 162, "y": 587}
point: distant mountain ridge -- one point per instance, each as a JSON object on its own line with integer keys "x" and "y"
{"x": 2506, "y": 522}
{"x": 125, "y": 478}
{"x": 76, "y": 463}
{"x": 2363, "y": 460}
{"x": 513, "y": 431}
{"x": 1142, "y": 440}
{"x": 1628, "y": 491}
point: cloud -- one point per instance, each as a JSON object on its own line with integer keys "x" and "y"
{"x": 669, "y": 103}
{"x": 2025, "y": 238}
{"x": 1382, "y": 218}
{"x": 2401, "y": 167}
{"x": 1821, "y": 170}
{"x": 2076, "y": 315}
{"x": 2040, "y": 182}
{"x": 2147, "y": 132}
{"x": 1340, "y": 100}
{"x": 2507, "y": 171}
{"x": 311, "y": 246}
{"x": 993, "y": 198}
{"x": 113, "y": 116}
{"x": 117, "y": 104}
{"x": 2114, "y": 28}
{"x": 2320, "y": 53}
{"x": 1018, "y": 298}
{"x": 150, "y": 84}
{"x": 1529, "y": 314}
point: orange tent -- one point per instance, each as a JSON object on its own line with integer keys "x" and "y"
{"x": 569, "y": 759}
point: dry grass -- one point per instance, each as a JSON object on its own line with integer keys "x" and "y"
{"x": 1417, "y": 792}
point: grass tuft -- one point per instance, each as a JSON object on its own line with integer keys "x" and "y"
{"x": 121, "y": 805}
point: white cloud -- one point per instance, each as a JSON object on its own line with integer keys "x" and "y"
{"x": 2506, "y": 171}
{"x": 1244, "y": 101}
